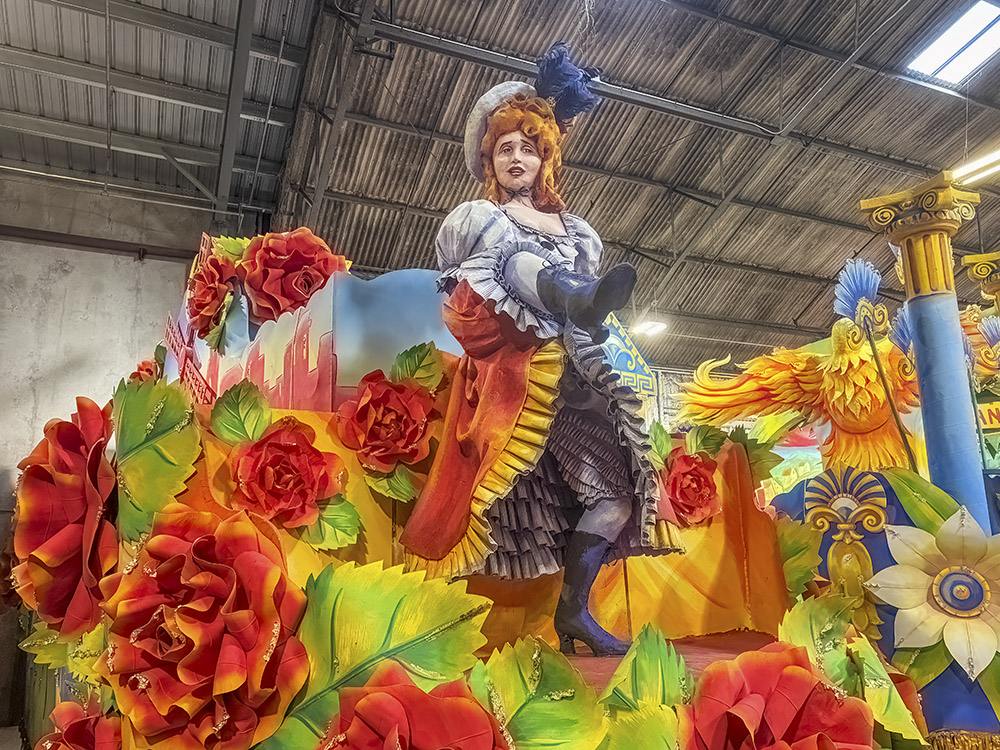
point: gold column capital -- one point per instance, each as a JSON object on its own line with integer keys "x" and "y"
{"x": 985, "y": 269}
{"x": 935, "y": 204}
{"x": 920, "y": 222}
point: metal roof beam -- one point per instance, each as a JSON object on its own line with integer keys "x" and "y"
{"x": 137, "y": 85}
{"x": 345, "y": 85}
{"x": 175, "y": 23}
{"x": 234, "y": 104}
{"x": 828, "y": 54}
{"x": 761, "y": 131}
{"x": 87, "y": 135}
{"x": 705, "y": 197}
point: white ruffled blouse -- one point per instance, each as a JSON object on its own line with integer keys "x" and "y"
{"x": 478, "y": 238}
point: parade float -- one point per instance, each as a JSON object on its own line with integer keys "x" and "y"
{"x": 338, "y": 512}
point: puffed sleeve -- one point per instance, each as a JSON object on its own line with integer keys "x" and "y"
{"x": 467, "y": 231}
{"x": 589, "y": 247}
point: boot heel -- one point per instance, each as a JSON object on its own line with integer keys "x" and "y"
{"x": 567, "y": 644}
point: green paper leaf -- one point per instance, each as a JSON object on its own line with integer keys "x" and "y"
{"x": 820, "y": 626}
{"x": 338, "y": 526}
{"x": 989, "y": 681}
{"x": 216, "y": 338}
{"x": 233, "y": 248}
{"x": 357, "y": 617}
{"x": 241, "y": 414}
{"x": 651, "y": 727}
{"x": 160, "y": 357}
{"x": 704, "y": 438}
{"x": 156, "y": 445}
{"x": 78, "y": 655}
{"x": 661, "y": 443}
{"x": 762, "y": 458}
{"x": 799, "y": 545}
{"x": 422, "y": 363}
{"x": 922, "y": 665}
{"x": 879, "y": 692}
{"x": 538, "y": 698}
{"x": 927, "y": 506}
{"x": 651, "y": 672}
{"x": 399, "y": 484}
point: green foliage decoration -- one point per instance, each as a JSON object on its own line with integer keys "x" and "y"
{"x": 241, "y": 414}
{"x": 799, "y": 545}
{"x": 538, "y": 698}
{"x": 338, "y": 526}
{"x": 358, "y": 617}
{"x": 422, "y": 363}
{"x": 156, "y": 445}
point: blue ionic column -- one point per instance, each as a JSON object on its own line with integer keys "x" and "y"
{"x": 921, "y": 222}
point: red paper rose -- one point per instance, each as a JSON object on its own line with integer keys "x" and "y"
{"x": 281, "y": 271}
{"x": 201, "y": 647}
{"x": 63, "y": 540}
{"x": 282, "y": 475}
{"x": 148, "y": 369}
{"x": 772, "y": 699}
{"x": 81, "y": 728}
{"x": 207, "y": 290}
{"x": 386, "y": 422}
{"x": 687, "y": 488}
{"x": 391, "y": 712}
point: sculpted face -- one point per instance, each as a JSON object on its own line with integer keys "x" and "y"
{"x": 516, "y": 161}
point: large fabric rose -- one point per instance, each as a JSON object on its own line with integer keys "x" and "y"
{"x": 772, "y": 699}
{"x": 282, "y": 475}
{"x": 281, "y": 271}
{"x": 391, "y": 712}
{"x": 76, "y": 727}
{"x": 63, "y": 539}
{"x": 201, "y": 647}
{"x": 386, "y": 422}
{"x": 207, "y": 290}
{"x": 687, "y": 488}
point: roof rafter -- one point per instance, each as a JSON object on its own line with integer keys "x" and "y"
{"x": 142, "y": 86}
{"x": 174, "y": 23}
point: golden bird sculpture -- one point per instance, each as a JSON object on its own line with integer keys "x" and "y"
{"x": 835, "y": 381}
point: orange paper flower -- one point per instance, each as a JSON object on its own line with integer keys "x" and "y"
{"x": 772, "y": 699}
{"x": 207, "y": 291}
{"x": 63, "y": 541}
{"x": 201, "y": 648}
{"x": 687, "y": 488}
{"x": 386, "y": 422}
{"x": 391, "y": 712}
{"x": 148, "y": 369}
{"x": 282, "y": 475}
{"x": 281, "y": 271}
{"x": 81, "y": 728}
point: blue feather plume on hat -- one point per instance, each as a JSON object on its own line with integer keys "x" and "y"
{"x": 565, "y": 84}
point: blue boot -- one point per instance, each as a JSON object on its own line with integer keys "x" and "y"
{"x": 584, "y": 556}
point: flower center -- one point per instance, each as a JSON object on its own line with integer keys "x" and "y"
{"x": 961, "y": 592}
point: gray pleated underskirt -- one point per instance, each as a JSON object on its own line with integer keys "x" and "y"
{"x": 597, "y": 449}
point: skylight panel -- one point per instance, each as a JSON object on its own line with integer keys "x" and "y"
{"x": 964, "y": 46}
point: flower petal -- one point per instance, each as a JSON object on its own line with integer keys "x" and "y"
{"x": 900, "y": 586}
{"x": 916, "y": 548}
{"x": 961, "y": 540}
{"x": 971, "y": 642}
{"x": 919, "y": 627}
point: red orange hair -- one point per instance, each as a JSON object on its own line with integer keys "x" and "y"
{"x": 535, "y": 119}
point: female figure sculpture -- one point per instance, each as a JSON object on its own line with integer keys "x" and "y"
{"x": 538, "y": 437}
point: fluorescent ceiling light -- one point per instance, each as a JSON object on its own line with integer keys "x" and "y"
{"x": 964, "y": 46}
{"x": 650, "y": 327}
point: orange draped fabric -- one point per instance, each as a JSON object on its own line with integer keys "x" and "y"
{"x": 487, "y": 394}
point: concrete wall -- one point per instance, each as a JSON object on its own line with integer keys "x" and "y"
{"x": 73, "y": 322}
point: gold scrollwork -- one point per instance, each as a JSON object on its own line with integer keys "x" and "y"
{"x": 929, "y": 199}
{"x": 883, "y": 216}
{"x": 875, "y": 316}
{"x": 983, "y": 270}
